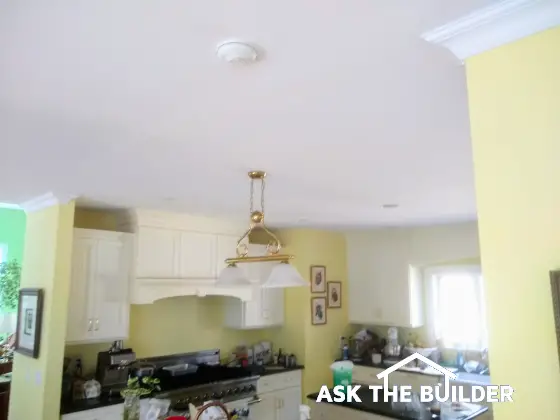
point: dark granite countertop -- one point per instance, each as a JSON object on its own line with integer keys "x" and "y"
{"x": 386, "y": 409}
{"x": 273, "y": 369}
{"x": 67, "y": 407}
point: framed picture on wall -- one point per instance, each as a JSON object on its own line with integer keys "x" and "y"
{"x": 318, "y": 279}
{"x": 555, "y": 289}
{"x": 29, "y": 320}
{"x": 334, "y": 294}
{"x": 318, "y": 311}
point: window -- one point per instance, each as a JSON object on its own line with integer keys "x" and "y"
{"x": 456, "y": 307}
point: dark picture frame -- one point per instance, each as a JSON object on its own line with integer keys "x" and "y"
{"x": 555, "y": 289}
{"x": 334, "y": 294}
{"x": 29, "y": 322}
{"x": 318, "y": 310}
{"x": 318, "y": 278}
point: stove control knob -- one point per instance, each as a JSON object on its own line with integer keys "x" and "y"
{"x": 236, "y": 390}
{"x": 252, "y": 388}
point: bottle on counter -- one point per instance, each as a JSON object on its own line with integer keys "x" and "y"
{"x": 281, "y": 358}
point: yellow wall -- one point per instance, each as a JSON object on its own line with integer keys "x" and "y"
{"x": 514, "y": 105}
{"x": 36, "y": 383}
{"x": 315, "y": 346}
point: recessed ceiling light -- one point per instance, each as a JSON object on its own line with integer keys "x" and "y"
{"x": 390, "y": 206}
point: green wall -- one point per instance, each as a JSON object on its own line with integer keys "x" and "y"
{"x": 12, "y": 232}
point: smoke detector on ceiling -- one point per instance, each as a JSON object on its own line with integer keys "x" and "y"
{"x": 237, "y": 52}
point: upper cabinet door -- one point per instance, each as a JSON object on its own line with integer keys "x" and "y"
{"x": 158, "y": 253}
{"x": 198, "y": 253}
{"x": 80, "y": 319}
{"x": 111, "y": 287}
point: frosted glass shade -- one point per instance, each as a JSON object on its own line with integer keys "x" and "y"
{"x": 284, "y": 275}
{"x": 232, "y": 275}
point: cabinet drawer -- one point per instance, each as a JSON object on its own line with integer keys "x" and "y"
{"x": 279, "y": 381}
{"x": 366, "y": 375}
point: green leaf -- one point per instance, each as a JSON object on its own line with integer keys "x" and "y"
{"x": 10, "y": 278}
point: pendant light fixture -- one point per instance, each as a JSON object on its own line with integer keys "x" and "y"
{"x": 283, "y": 274}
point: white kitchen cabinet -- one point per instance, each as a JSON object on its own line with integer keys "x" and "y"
{"x": 99, "y": 290}
{"x": 266, "y": 309}
{"x": 179, "y": 254}
{"x": 266, "y": 409}
{"x": 289, "y": 402}
{"x": 327, "y": 411}
{"x": 281, "y": 395}
{"x": 175, "y": 254}
{"x": 198, "y": 255}
{"x": 383, "y": 289}
{"x": 157, "y": 253}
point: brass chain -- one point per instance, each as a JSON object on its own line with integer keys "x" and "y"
{"x": 262, "y": 196}
{"x": 251, "y": 198}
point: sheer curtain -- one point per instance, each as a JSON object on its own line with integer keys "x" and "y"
{"x": 456, "y": 307}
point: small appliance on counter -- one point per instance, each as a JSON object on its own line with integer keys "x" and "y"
{"x": 113, "y": 368}
{"x": 392, "y": 349}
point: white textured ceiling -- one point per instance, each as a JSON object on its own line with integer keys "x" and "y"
{"x": 124, "y": 103}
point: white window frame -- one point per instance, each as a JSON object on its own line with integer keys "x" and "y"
{"x": 430, "y": 297}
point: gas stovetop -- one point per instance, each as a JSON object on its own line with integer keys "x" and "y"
{"x": 224, "y": 391}
{"x": 208, "y": 381}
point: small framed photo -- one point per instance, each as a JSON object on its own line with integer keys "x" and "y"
{"x": 318, "y": 279}
{"x": 318, "y": 311}
{"x": 334, "y": 294}
{"x": 30, "y": 316}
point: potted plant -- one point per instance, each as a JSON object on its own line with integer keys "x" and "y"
{"x": 135, "y": 389}
{"x": 10, "y": 277}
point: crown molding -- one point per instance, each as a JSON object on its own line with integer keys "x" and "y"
{"x": 496, "y": 25}
{"x": 46, "y": 200}
{"x": 9, "y": 206}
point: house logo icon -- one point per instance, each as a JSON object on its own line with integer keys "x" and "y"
{"x": 445, "y": 372}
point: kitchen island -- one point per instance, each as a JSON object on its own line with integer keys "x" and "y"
{"x": 379, "y": 410}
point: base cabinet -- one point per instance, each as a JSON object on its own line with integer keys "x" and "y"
{"x": 280, "y": 397}
{"x": 113, "y": 412}
{"x": 326, "y": 411}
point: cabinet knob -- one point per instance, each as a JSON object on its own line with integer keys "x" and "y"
{"x": 90, "y": 324}
{"x": 97, "y": 325}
